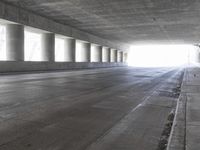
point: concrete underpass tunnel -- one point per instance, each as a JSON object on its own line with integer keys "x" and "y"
{"x": 163, "y": 55}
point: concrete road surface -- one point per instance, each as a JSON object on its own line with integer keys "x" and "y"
{"x": 105, "y": 109}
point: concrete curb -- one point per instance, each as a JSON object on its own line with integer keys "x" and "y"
{"x": 177, "y": 136}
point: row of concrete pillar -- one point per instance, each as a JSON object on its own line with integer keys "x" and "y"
{"x": 15, "y": 48}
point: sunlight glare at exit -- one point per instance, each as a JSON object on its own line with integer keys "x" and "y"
{"x": 162, "y": 55}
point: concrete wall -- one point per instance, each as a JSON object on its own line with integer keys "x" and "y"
{"x": 11, "y": 66}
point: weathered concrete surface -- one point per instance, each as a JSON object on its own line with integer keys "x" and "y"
{"x": 15, "y": 66}
{"x": 103, "y": 109}
{"x": 129, "y": 21}
{"x": 186, "y": 132}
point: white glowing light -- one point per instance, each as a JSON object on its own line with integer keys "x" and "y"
{"x": 33, "y": 50}
{"x": 93, "y": 53}
{"x": 79, "y": 51}
{"x": 2, "y": 42}
{"x": 161, "y": 55}
{"x": 59, "y": 49}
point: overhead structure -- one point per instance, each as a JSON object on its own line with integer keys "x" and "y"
{"x": 127, "y": 21}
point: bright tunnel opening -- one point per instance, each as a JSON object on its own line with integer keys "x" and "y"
{"x": 162, "y": 55}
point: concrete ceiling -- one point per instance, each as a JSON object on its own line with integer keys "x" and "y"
{"x": 129, "y": 21}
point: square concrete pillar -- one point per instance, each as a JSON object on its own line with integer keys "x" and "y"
{"x": 70, "y": 50}
{"x": 83, "y": 51}
{"x": 48, "y": 47}
{"x": 115, "y": 55}
{"x": 15, "y": 42}
{"x": 118, "y": 56}
{"x": 109, "y": 54}
{"x": 88, "y": 52}
{"x": 125, "y": 56}
{"x": 100, "y": 56}
{"x": 96, "y": 53}
{"x": 122, "y": 57}
{"x": 105, "y": 54}
{"x": 112, "y": 55}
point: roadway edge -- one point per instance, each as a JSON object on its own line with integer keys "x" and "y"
{"x": 177, "y": 137}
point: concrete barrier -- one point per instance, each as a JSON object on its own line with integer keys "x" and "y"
{"x": 21, "y": 66}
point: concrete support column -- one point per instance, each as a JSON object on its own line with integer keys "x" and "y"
{"x": 109, "y": 54}
{"x": 88, "y": 52}
{"x": 100, "y": 54}
{"x": 83, "y": 51}
{"x": 105, "y": 54}
{"x": 15, "y": 42}
{"x": 48, "y": 47}
{"x": 96, "y": 53}
{"x": 118, "y": 56}
{"x": 122, "y": 57}
{"x": 199, "y": 57}
{"x": 112, "y": 55}
{"x": 115, "y": 55}
{"x": 70, "y": 50}
{"x": 125, "y": 56}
